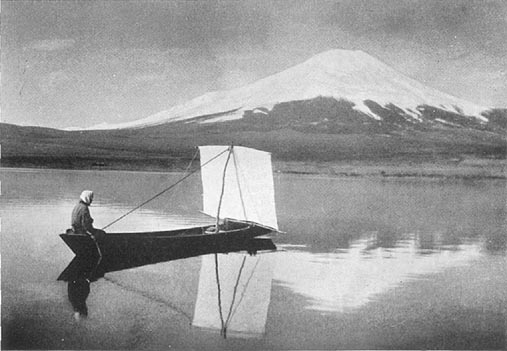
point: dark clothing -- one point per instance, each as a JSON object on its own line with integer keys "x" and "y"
{"x": 78, "y": 291}
{"x": 82, "y": 222}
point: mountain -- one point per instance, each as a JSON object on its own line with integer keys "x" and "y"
{"x": 339, "y": 106}
{"x": 354, "y": 77}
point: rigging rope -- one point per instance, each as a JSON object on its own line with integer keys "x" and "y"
{"x": 166, "y": 189}
{"x": 235, "y": 292}
{"x": 224, "y": 324}
{"x": 222, "y": 329}
{"x": 247, "y": 283}
{"x": 239, "y": 186}
{"x": 223, "y": 186}
{"x": 100, "y": 256}
{"x": 148, "y": 295}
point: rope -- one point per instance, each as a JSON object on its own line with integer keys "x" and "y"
{"x": 246, "y": 193}
{"x": 235, "y": 292}
{"x": 245, "y": 287}
{"x": 223, "y": 186}
{"x": 100, "y": 256}
{"x": 223, "y": 330}
{"x": 147, "y": 295}
{"x": 225, "y": 324}
{"x": 163, "y": 191}
{"x": 192, "y": 160}
{"x": 239, "y": 187}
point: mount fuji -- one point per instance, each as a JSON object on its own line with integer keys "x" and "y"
{"x": 337, "y": 106}
{"x": 370, "y": 88}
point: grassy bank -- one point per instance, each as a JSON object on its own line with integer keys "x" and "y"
{"x": 459, "y": 169}
{"x": 472, "y": 168}
{"x": 438, "y": 153}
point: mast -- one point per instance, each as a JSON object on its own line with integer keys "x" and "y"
{"x": 223, "y": 187}
{"x": 245, "y": 193}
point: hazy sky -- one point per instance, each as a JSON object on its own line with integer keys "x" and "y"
{"x": 80, "y": 63}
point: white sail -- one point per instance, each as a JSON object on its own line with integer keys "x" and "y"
{"x": 245, "y": 293}
{"x": 248, "y": 187}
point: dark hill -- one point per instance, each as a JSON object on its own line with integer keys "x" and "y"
{"x": 322, "y": 129}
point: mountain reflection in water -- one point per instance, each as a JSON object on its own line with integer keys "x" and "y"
{"x": 345, "y": 279}
{"x": 337, "y": 281}
{"x": 443, "y": 240}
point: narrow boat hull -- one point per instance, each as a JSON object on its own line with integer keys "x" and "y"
{"x": 94, "y": 267}
{"x": 173, "y": 243}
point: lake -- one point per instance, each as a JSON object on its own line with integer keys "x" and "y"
{"x": 368, "y": 263}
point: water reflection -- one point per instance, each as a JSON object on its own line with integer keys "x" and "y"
{"x": 322, "y": 213}
{"x": 83, "y": 270}
{"x": 79, "y": 274}
{"x": 345, "y": 279}
{"x": 427, "y": 240}
{"x": 354, "y": 245}
{"x": 234, "y": 294}
{"x": 496, "y": 241}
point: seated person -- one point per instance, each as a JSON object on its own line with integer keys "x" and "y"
{"x": 82, "y": 222}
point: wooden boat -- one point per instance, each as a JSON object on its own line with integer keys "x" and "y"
{"x": 83, "y": 270}
{"x": 93, "y": 267}
{"x": 238, "y": 191}
{"x": 174, "y": 241}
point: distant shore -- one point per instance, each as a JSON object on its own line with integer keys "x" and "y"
{"x": 472, "y": 168}
{"x": 451, "y": 169}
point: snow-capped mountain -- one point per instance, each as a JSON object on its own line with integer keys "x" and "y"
{"x": 340, "y": 74}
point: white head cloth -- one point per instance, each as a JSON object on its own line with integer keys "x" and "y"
{"x": 87, "y": 196}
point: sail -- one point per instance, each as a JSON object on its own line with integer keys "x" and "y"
{"x": 245, "y": 292}
{"x": 248, "y": 184}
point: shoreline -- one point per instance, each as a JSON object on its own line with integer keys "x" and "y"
{"x": 466, "y": 169}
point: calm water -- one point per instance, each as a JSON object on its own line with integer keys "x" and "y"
{"x": 363, "y": 263}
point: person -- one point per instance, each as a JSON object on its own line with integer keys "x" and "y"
{"x": 82, "y": 221}
{"x": 78, "y": 290}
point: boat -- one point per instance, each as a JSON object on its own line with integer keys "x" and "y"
{"x": 94, "y": 267}
{"x": 84, "y": 270}
{"x": 238, "y": 191}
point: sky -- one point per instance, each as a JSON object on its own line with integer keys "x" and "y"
{"x": 81, "y": 63}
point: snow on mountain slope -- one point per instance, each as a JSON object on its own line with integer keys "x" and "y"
{"x": 342, "y": 74}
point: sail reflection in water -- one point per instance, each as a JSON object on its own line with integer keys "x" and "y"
{"x": 85, "y": 269}
{"x": 234, "y": 294}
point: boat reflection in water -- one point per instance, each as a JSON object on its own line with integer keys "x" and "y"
{"x": 234, "y": 293}
{"x": 85, "y": 269}
{"x": 79, "y": 274}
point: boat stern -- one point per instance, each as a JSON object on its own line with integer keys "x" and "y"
{"x": 80, "y": 244}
